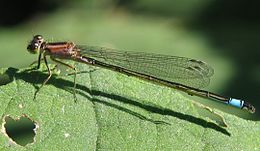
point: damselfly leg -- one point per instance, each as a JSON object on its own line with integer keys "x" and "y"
{"x": 50, "y": 73}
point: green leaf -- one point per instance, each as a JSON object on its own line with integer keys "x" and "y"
{"x": 114, "y": 112}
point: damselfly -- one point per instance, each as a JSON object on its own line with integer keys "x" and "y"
{"x": 185, "y": 74}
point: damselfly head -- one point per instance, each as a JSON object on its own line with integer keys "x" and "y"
{"x": 36, "y": 43}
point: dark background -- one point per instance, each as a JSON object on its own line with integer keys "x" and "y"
{"x": 223, "y": 33}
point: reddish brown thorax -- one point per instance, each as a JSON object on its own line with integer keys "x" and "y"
{"x": 62, "y": 50}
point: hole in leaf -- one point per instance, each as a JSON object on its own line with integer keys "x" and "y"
{"x": 21, "y": 130}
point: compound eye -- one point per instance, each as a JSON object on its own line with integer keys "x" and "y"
{"x": 39, "y": 37}
{"x": 33, "y": 48}
{"x": 36, "y": 45}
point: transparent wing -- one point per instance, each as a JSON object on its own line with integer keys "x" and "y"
{"x": 187, "y": 71}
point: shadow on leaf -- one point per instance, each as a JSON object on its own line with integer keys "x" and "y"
{"x": 37, "y": 77}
